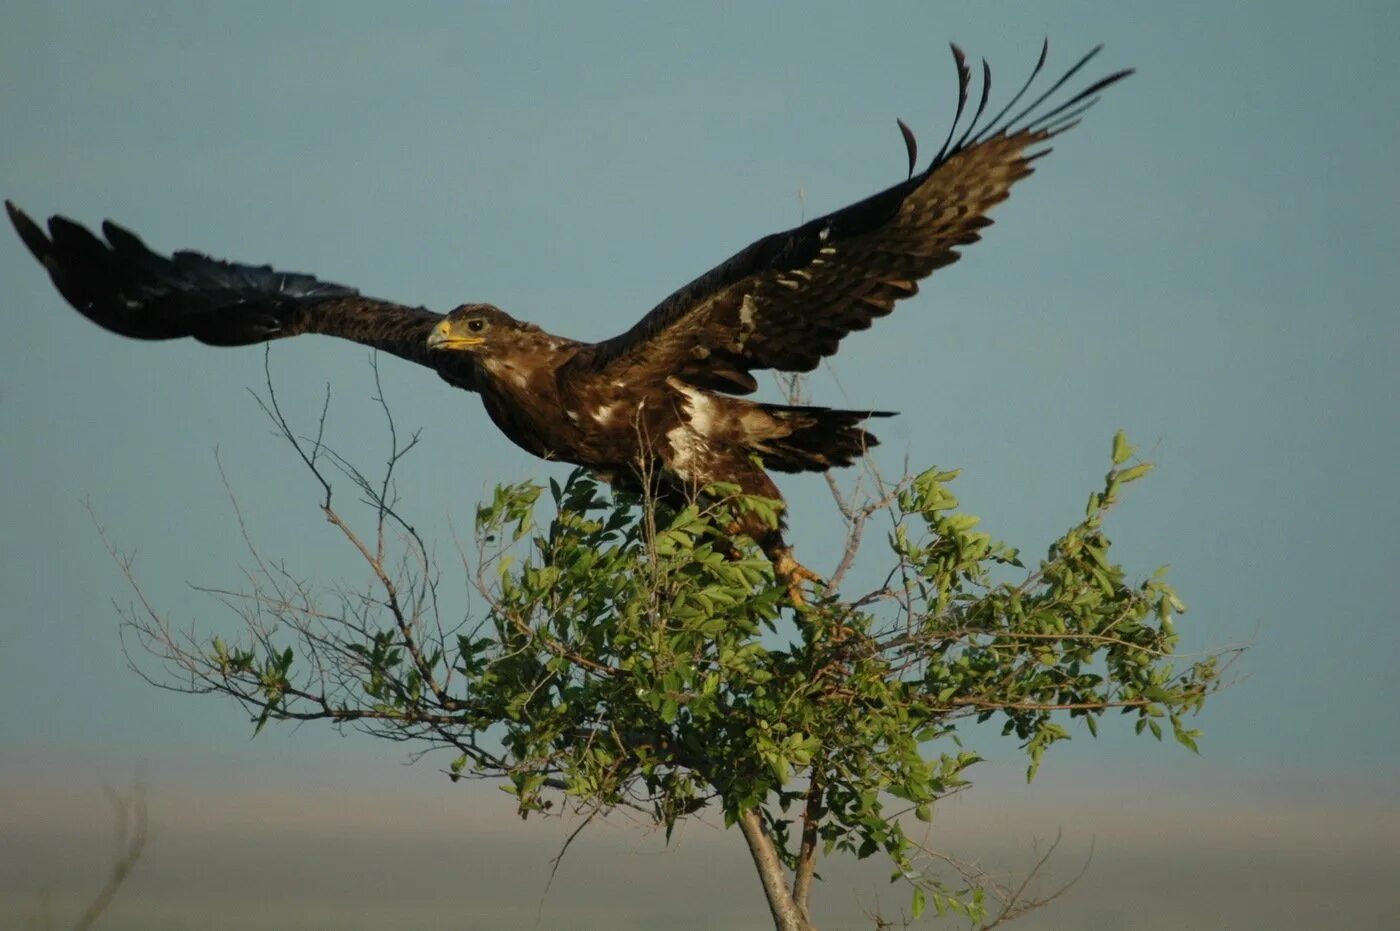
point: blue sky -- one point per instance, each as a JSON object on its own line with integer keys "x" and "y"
{"x": 1208, "y": 263}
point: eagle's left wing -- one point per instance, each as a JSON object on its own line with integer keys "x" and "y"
{"x": 786, "y": 301}
{"x": 127, "y": 288}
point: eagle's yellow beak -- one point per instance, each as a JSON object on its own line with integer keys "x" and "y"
{"x": 442, "y": 338}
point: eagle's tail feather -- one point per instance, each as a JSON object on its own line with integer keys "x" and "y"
{"x": 815, "y": 438}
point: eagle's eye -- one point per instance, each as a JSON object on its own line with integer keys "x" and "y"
{"x": 476, "y": 325}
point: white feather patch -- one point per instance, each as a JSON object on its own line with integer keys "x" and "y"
{"x": 703, "y": 412}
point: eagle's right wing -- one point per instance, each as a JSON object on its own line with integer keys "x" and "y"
{"x": 123, "y": 286}
{"x": 788, "y": 300}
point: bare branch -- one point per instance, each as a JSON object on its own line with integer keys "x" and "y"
{"x": 131, "y": 832}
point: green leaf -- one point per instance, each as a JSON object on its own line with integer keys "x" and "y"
{"x": 1122, "y": 449}
{"x": 1135, "y": 473}
{"x": 916, "y": 907}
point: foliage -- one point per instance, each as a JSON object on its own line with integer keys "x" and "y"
{"x": 629, "y": 656}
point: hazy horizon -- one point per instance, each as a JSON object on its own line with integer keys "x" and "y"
{"x": 421, "y": 853}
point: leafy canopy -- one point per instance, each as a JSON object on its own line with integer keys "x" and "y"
{"x": 629, "y": 656}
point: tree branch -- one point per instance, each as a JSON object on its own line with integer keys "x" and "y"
{"x": 807, "y": 852}
{"x": 131, "y": 843}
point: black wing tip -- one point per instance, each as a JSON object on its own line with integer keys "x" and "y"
{"x": 30, "y": 233}
{"x": 125, "y": 241}
{"x": 72, "y": 239}
{"x": 20, "y": 219}
{"x": 964, "y": 81}
{"x": 1113, "y": 78}
{"x": 110, "y": 229}
{"x": 911, "y": 144}
{"x": 1045, "y": 123}
{"x": 29, "y": 230}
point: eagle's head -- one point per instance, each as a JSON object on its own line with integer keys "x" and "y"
{"x": 508, "y": 354}
{"x": 483, "y": 330}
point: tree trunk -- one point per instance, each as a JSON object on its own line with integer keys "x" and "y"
{"x": 787, "y": 916}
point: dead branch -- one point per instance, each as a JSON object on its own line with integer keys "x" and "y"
{"x": 131, "y": 836}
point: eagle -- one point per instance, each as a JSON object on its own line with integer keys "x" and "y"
{"x": 661, "y": 407}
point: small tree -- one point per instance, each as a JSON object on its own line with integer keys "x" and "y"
{"x": 628, "y": 656}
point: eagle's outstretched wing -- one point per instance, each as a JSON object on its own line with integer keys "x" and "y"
{"x": 124, "y": 287}
{"x": 786, "y": 301}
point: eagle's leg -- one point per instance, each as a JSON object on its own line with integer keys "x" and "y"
{"x": 752, "y": 480}
{"x": 786, "y": 569}
{"x": 792, "y": 573}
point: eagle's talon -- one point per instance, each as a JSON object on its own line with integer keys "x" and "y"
{"x": 792, "y": 573}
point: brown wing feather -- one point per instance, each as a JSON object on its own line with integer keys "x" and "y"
{"x": 787, "y": 301}
{"x": 123, "y": 286}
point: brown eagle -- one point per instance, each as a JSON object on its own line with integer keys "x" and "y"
{"x": 660, "y": 400}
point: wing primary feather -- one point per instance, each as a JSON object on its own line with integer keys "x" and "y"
{"x": 796, "y": 294}
{"x": 991, "y": 128}
{"x": 1049, "y": 121}
{"x": 1062, "y": 127}
{"x": 30, "y": 233}
{"x": 72, "y": 237}
{"x": 123, "y": 240}
{"x": 911, "y": 144}
{"x": 1036, "y": 156}
{"x": 1045, "y": 118}
{"x": 1053, "y": 126}
{"x": 1011, "y": 123}
{"x": 130, "y": 248}
{"x": 981, "y": 105}
{"x": 964, "y": 79}
{"x": 1101, "y": 83}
